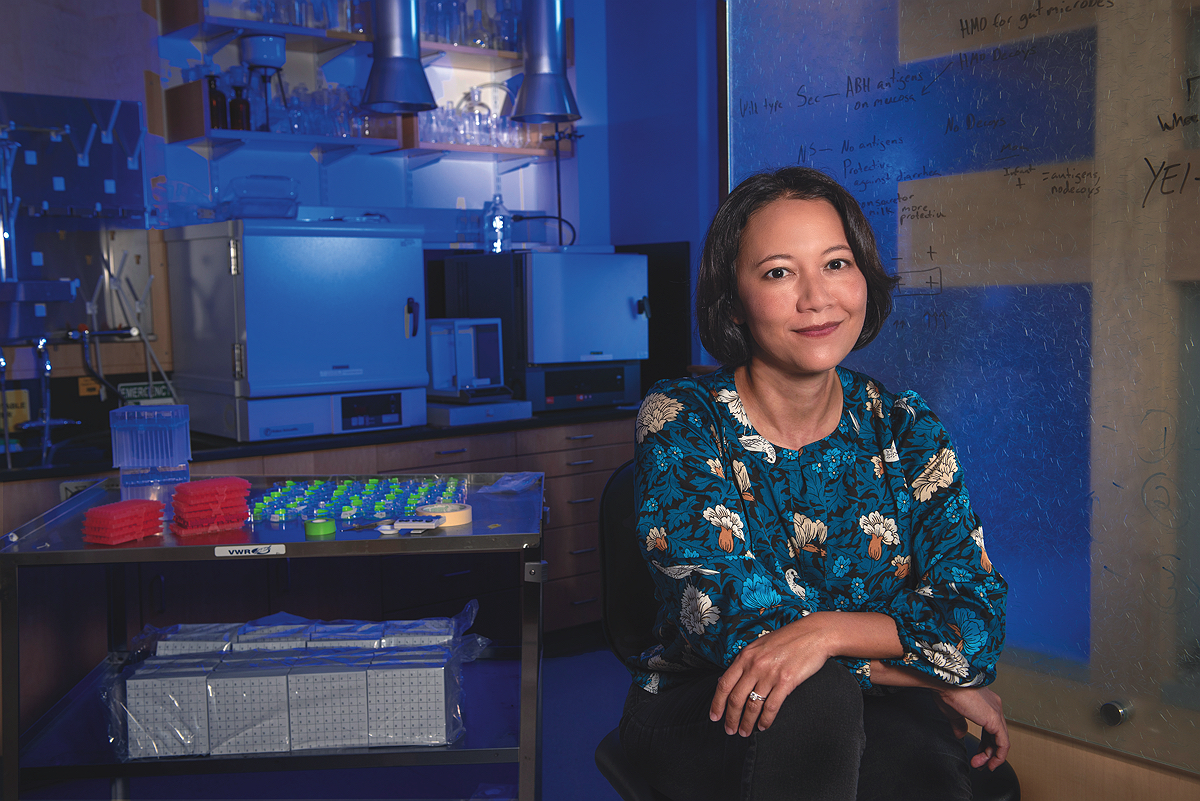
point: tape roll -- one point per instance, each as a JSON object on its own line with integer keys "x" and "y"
{"x": 456, "y": 514}
{"x": 320, "y": 528}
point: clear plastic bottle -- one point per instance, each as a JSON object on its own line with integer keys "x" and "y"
{"x": 507, "y": 34}
{"x": 478, "y": 35}
{"x": 431, "y": 18}
{"x": 497, "y": 226}
{"x": 451, "y": 22}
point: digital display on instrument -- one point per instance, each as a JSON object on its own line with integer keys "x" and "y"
{"x": 371, "y": 411}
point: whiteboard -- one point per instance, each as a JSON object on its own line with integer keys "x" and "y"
{"x": 1028, "y": 170}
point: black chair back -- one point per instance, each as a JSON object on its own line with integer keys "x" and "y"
{"x": 628, "y": 605}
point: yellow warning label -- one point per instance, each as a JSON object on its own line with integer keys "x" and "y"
{"x": 17, "y": 401}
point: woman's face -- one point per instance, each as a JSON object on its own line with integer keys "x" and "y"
{"x": 800, "y": 291}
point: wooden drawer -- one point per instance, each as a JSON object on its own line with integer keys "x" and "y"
{"x": 562, "y": 438}
{"x": 606, "y": 458}
{"x": 401, "y": 456}
{"x": 574, "y": 499}
{"x": 250, "y": 466}
{"x": 337, "y": 462}
{"x": 505, "y": 464}
{"x": 572, "y": 550}
{"x": 570, "y": 601}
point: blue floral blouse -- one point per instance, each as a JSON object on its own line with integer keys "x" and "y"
{"x": 743, "y": 537}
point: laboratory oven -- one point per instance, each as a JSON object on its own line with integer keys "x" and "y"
{"x": 291, "y": 328}
{"x": 575, "y": 325}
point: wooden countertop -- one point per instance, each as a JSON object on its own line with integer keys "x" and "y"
{"x": 206, "y": 448}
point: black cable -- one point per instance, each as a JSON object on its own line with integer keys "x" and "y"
{"x": 558, "y": 181}
{"x": 87, "y": 365}
{"x": 566, "y": 222}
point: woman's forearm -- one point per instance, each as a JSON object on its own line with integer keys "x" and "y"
{"x": 861, "y": 635}
{"x": 872, "y": 635}
{"x": 892, "y": 676}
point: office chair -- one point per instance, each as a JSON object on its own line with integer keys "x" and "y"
{"x": 627, "y": 611}
{"x": 627, "y": 615}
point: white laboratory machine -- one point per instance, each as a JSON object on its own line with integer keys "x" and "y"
{"x": 291, "y": 328}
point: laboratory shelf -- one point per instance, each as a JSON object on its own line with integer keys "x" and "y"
{"x": 501, "y": 712}
{"x": 185, "y": 19}
{"x": 72, "y": 741}
{"x": 480, "y": 152}
{"x": 217, "y": 144}
{"x": 206, "y": 29}
{"x": 441, "y": 54}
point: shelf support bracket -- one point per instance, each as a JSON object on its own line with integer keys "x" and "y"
{"x": 213, "y": 150}
{"x": 505, "y": 167}
{"x": 330, "y": 154}
{"x": 420, "y": 162}
{"x": 216, "y": 43}
{"x": 325, "y": 56}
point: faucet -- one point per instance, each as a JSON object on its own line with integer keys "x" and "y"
{"x": 41, "y": 346}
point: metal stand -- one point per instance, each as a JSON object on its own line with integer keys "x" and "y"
{"x": 46, "y": 422}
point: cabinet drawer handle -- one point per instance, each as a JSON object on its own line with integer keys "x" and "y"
{"x": 582, "y": 436}
{"x": 580, "y": 462}
{"x": 584, "y": 601}
{"x": 582, "y": 500}
{"x": 447, "y": 453}
{"x": 456, "y": 573}
{"x": 581, "y": 550}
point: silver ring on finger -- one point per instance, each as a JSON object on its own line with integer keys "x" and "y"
{"x": 756, "y": 697}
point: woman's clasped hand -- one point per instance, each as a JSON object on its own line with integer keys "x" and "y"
{"x": 981, "y": 706}
{"x": 771, "y": 666}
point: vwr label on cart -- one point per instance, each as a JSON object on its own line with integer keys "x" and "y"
{"x": 251, "y": 550}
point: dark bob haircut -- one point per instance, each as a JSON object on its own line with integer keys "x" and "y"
{"x": 716, "y": 292}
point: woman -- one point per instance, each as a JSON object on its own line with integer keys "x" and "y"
{"x": 829, "y": 614}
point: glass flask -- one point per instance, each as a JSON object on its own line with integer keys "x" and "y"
{"x": 478, "y": 35}
{"x": 507, "y": 37}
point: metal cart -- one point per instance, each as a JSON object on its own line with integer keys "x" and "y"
{"x": 502, "y": 523}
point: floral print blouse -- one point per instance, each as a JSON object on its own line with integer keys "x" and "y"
{"x": 743, "y": 537}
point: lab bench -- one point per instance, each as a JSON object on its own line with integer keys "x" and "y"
{"x": 105, "y": 584}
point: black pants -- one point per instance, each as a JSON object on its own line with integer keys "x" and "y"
{"x": 828, "y": 742}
